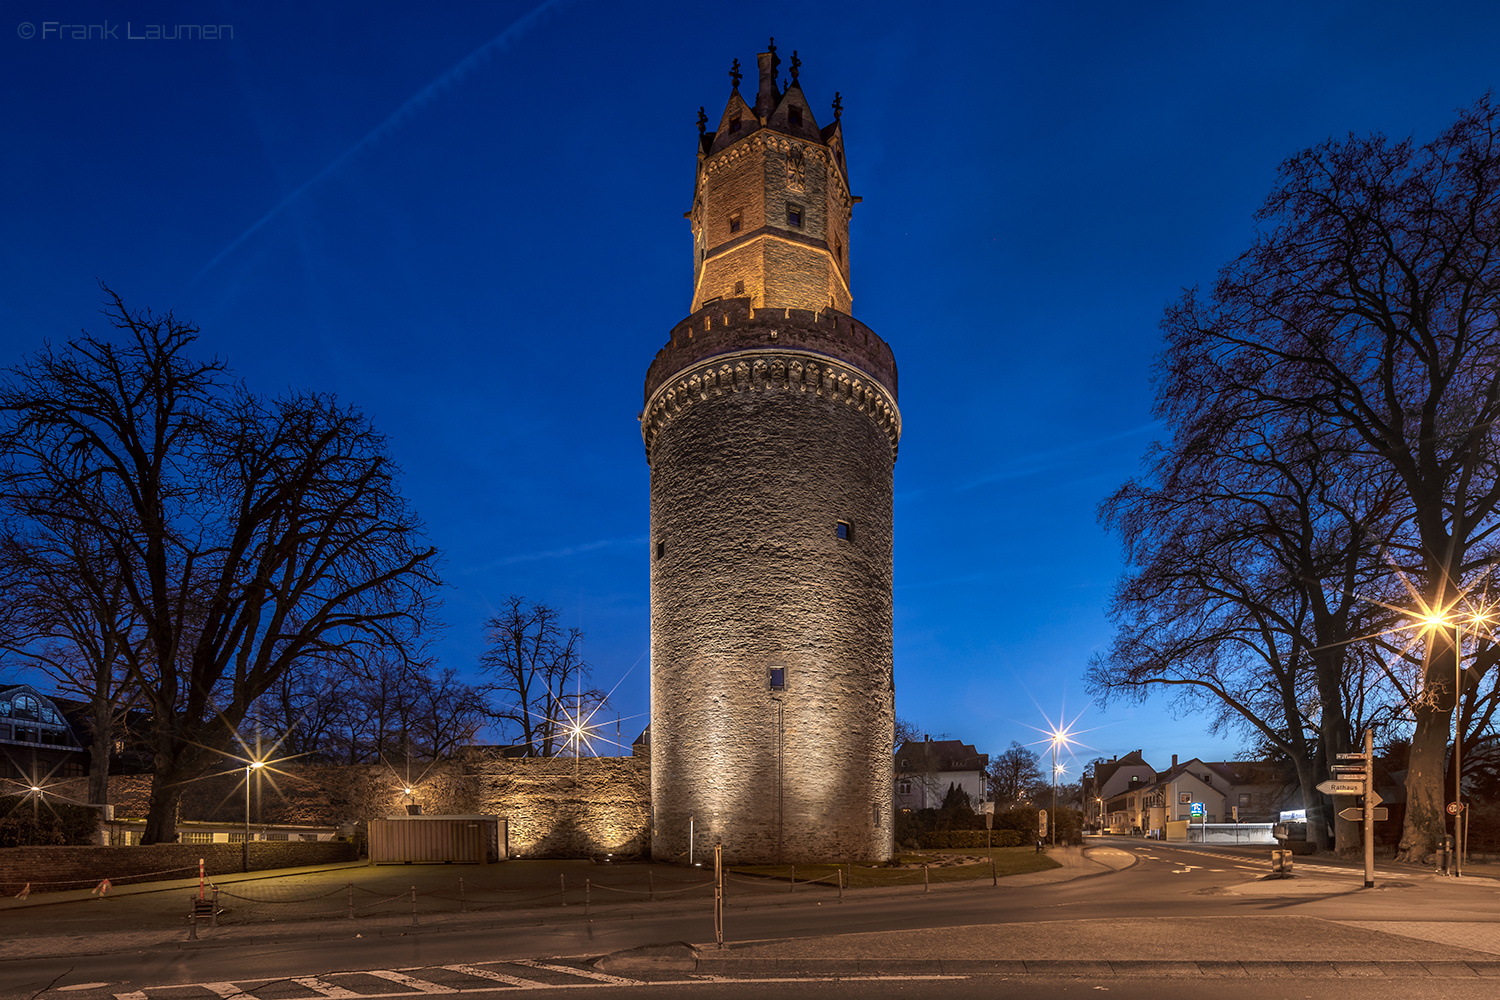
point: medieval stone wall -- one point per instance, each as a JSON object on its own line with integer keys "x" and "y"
{"x": 556, "y": 807}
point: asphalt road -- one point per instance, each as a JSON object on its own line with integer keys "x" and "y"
{"x": 1174, "y": 913}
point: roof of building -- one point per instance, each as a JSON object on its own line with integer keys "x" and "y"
{"x": 940, "y": 755}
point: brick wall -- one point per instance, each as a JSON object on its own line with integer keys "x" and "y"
{"x": 59, "y": 868}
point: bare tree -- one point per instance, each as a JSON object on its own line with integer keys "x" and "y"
{"x": 536, "y": 675}
{"x": 1367, "y": 305}
{"x": 1013, "y": 772}
{"x": 65, "y": 613}
{"x": 252, "y": 537}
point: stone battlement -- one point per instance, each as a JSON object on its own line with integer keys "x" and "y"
{"x": 734, "y": 325}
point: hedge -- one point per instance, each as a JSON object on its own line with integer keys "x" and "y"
{"x": 968, "y": 839}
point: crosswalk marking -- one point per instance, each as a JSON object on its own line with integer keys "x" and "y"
{"x": 224, "y": 989}
{"x": 326, "y": 989}
{"x": 601, "y": 977}
{"x": 478, "y": 973}
{"x": 405, "y": 980}
{"x": 137, "y": 995}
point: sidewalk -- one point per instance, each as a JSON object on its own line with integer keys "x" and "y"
{"x": 313, "y": 903}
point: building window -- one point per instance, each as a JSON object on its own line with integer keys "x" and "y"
{"x": 236, "y": 838}
{"x": 845, "y": 531}
{"x": 734, "y": 222}
{"x": 661, "y": 549}
{"x": 794, "y": 115}
{"x": 734, "y": 124}
{"x": 278, "y": 836}
{"x": 778, "y": 678}
{"x": 1244, "y": 800}
{"x": 794, "y": 215}
{"x": 199, "y": 837}
{"x": 903, "y": 787}
{"x": 739, "y": 288}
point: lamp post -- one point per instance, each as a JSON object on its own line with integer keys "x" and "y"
{"x": 253, "y": 765}
{"x": 1434, "y": 622}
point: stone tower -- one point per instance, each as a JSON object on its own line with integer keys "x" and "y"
{"x": 770, "y": 426}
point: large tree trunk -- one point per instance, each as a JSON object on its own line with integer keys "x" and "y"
{"x": 1426, "y": 774}
{"x": 100, "y": 748}
{"x": 161, "y": 819}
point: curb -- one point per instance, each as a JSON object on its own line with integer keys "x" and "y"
{"x": 706, "y": 964}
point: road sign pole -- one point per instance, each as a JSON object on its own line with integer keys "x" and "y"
{"x": 1369, "y": 809}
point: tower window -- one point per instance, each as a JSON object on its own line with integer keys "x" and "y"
{"x": 794, "y": 115}
{"x": 793, "y": 215}
{"x": 778, "y": 678}
{"x": 845, "y": 530}
{"x": 739, "y": 288}
{"x": 734, "y": 124}
{"x": 734, "y": 222}
{"x": 661, "y": 549}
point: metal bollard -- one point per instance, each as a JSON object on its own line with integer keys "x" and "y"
{"x": 564, "y": 880}
{"x": 926, "y": 884}
{"x": 463, "y": 903}
{"x": 351, "y": 900}
{"x": 192, "y": 920}
{"x": 841, "y": 885}
{"x": 414, "y": 905}
{"x": 793, "y": 887}
{"x": 650, "y": 887}
{"x": 588, "y": 886}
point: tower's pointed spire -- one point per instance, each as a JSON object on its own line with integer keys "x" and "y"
{"x": 768, "y": 96}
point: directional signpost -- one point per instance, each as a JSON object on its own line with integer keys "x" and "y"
{"x": 1354, "y": 778}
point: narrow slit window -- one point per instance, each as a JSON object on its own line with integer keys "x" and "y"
{"x": 845, "y": 531}
{"x": 739, "y": 288}
{"x": 734, "y": 222}
{"x": 794, "y": 115}
{"x": 794, "y": 215}
{"x": 661, "y": 549}
{"x": 734, "y": 124}
{"x": 778, "y": 678}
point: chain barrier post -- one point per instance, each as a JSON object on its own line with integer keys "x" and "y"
{"x": 793, "y": 887}
{"x": 214, "y": 919}
{"x": 650, "y": 887}
{"x": 841, "y": 885}
{"x": 200, "y": 878}
{"x": 463, "y": 902}
{"x": 192, "y": 920}
{"x": 414, "y": 905}
{"x": 588, "y": 891}
{"x": 926, "y": 885}
{"x": 351, "y": 900}
{"x": 719, "y": 894}
{"x": 563, "y": 879}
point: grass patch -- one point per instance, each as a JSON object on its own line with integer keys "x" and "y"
{"x": 942, "y": 866}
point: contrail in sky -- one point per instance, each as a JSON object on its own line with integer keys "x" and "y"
{"x": 414, "y": 104}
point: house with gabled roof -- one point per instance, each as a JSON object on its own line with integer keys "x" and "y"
{"x": 926, "y": 769}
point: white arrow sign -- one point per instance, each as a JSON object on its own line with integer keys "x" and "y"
{"x": 1335, "y": 787}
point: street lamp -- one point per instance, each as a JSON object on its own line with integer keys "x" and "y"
{"x": 253, "y": 765}
{"x": 1434, "y": 622}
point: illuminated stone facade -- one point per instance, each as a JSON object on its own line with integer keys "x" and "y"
{"x": 770, "y": 424}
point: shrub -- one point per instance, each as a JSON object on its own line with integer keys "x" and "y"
{"x": 967, "y": 839}
{"x": 55, "y": 823}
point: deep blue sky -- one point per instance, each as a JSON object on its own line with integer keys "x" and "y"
{"x": 467, "y": 220}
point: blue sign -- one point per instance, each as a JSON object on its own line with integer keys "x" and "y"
{"x": 1197, "y": 810}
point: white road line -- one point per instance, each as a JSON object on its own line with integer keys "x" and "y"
{"x": 224, "y": 989}
{"x": 137, "y": 995}
{"x": 405, "y": 980}
{"x": 478, "y": 973}
{"x": 601, "y": 977}
{"x": 326, "y": 989}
